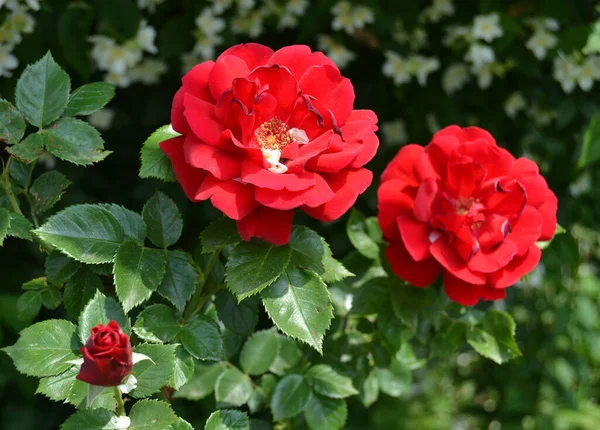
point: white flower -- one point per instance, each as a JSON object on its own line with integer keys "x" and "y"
{"x": 487, "y": 27}
{"x": 205, "y": 47}
{"x": 210, "y": 24}
{"x": 566, "y": 72}
{"x": 456, "y": 32}
{"x": 149, "y": 4}
{"x": 540, "y": 42}
{"x": 582, "y": 185}
{"x": 421, "y": 67}
{"x": 249, "y": 24}
{"x": 588, "y": 73}
{"x": 8, "y": 61}
{"x": 121, "y": 58}
{"x": 121, "y": 422}
{"x": 484, "y": 75}
{"x": 21, "y": 20}
{"x": 349, "y": 18}
{"x": 480, "y": 55}
{"x": 219, "y": 6}
{"x": 33, "y": 4}
{"x": 102, "y": 119}
{"x": 119, "y": 79}
{"x": 438, "y": 10}
{"x": 514, "y": 103}
{"x": 296, "y": 7}
{"x": 246, "y": 5}
{"x": 148, "y": 71}
{"x": 335, "y": 51}
{"x": 455, "y": 77}
{"x": 145, "y": 37}
{"x": 287, "y": 20}
{"x": 543, "y": 24}
{"x": 394, "y": 132}
{"x": 396, "y": 67}
{"x": 418, "y": 38}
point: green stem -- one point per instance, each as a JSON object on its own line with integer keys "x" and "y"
{"x": 199, "y": 298}
{"x": 14, "y": 203}
{"x": 120, "y": 402}
{"x": 33, "y": 215}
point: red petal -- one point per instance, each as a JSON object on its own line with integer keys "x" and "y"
{"x": 526, "y": 231}
{"x": 233, "y": 198}
{"x": 347, "y": 185}
{"x": 392, "y": 202}
{"x": 452, "y": 262}
{"x": 283, "y": 86}
{"x": 253, "y": 54}
{"x": 496, "y": 161}
{"x": 189, "y": 177}
{"x": 333, "y": 162}
{"x": 516, "y": 269}
{"x": 255, "y": 174}
{"x": 298, "y": 58}
{"x": 201, "y": 118}
{"x": 369, "y": 149}
{"x": 467, "y": 294}
{"x": 548, "y": 211}
{"x": 225, "y": 70}
{"x": 418, "y": 273}
{"x": 363, "y": 115}
{"x": 333, "y": 92}
{"x": 464, "y": 176}
{"x": 223, "y": 165}
{"x": 195, "y": 81}
{"x": 415, "y": 236}
{"x": 287, "y": 200}
{"x": 268, "y": 224}
{"x": 439, "y": 152}
{"x": 403, "y": 164}
{"x": 467, "y": 134}
{"x": 493, "y": 260}
{"x": 423, "y": 206}
{"x": 178, "y": 120}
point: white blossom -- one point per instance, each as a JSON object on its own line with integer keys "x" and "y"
{"x": 540, "y": 42}
{"x": 8, "y": 61}
{"x": 487, "y": 27}
{"x": 438, "y": 10}
{"x": 418, "y": 39}
{"x": 566, "y": 72}
{"x": 588, "y": 73}
{"x": 220, "y": 6}
{"x": 479, "y": 55}
{"x": 514, "y": 103}
{"x": 145, "y": 37}
{"x": 102, "y": 119}
{"x": 542, "y": 23}
{"x": 246, "y": 5}
{"x": 421, "y": 67}
{"x": 205, "y": 47}
{"x": 396, "y": 68}
{"x": 582, "y": 185}
{"x": 335, "y": 51}
{"x": 250, "y": 24}
{"x": 455, "y": 77}
{"x": 484, "y": 75}
{"x": 149, "y": 4}
{"x": 455, "y": 33}
{"x": 210, "y": 24}
{"x": 148, "y": 71}
{"x": 350, "y": 18}
{"x": 541, "y": 115}
{"x": 296, "y": 7}
{"x": 394, "y": 132}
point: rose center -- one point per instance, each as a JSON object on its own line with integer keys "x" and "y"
{"x": 273, "y": 136}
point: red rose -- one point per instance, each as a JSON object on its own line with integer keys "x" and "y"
{"x": 106, "y": 356}
{"x": 465, "y": 207}
{"x": 264, "y": 133}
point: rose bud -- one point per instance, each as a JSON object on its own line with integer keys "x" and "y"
{"x": 464, "y": 207}
{"x": 107, "y": 356}
{"x": 264, "y": 133}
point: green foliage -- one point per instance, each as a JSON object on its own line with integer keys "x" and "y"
{"x": 89, "y": 98}
{"x": 47, "y": 190}
{"x": 132, "y": 223}
{"x": 163, "y": 220}
{"x": 75, "y": 141}
{"x": 240, "y": 318}
{"x": 12, "y": 123}
{"x": 28, "y": 150}
{"x": 590, "y": 151}
{"x": 324, "y": 413}
{"x": 157, "y": 323}
{"x": 202, "y": 383}
{"x": 155, "y": 373}
{"x": 202, "y": 338}
{"x": 180, "y": 280}
{"x": 227, "y": 419}
{"x": 326, "y": 381}
{"x": 361, "y": 232}
{"x": 233, "y": 387}
{"x": 151, "y": 415}
{"x": 259, "y": 352}
{"x": 290, "y": 396}
{"x": 494, "y": 337}
{"x": 101, "y": 310}
{"x": 80, "y": 289}
{"x": 219, "y": 234}
{"x": 155, "y": 163}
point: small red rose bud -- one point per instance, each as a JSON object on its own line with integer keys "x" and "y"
{"x": 107, "y": 356}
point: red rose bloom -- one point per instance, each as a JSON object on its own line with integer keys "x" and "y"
{"x": 107, "y": 356}
{"x": 264, "y": 133}
{"x": 465, "y": 207}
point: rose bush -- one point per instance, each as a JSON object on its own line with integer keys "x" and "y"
{"x": 464, "y": 207}
{"x": 264, "y": 133}
{"x": 107, "y": 356}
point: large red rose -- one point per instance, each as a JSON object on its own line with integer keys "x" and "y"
{"x": 264, "y": 133}
{"x": 464, "y": 207}
{"x": 107, "y": 356}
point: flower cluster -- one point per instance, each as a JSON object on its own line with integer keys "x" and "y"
{"x": 18, "y": 21}
{"x": 576, "y": 70}
{"x": 402, "y": 70}
{"x": 125, "y": 64}
{"x": 350, "y": 18}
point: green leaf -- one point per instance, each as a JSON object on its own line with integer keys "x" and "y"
{"x": 43, "y": 349}
{"x": 87, "y": 233}
{"x": 163, "y": 220}
{"x": 35, "y": 284}
{"x": 132, "y": 223}
{"x": 371, "y": 297}
{"x": 58, "y": 387}
{"x": 180, "y": 280}
{"x": 545, "y": 244}
{"x": 227, "y": 419}
{"x": 29, "y": 305}
{"x": 219, "y": 234}
{"x": 29, "y": 149}
{"x": 494, "y": 337}
{"x": 19, "y": 226}
{"x": 12, "y": 123}
{"x": 80, "y": 289}
{"x": 157, "y": 323}
{"x": 448, "y": 340}
{"x": 253, "y": 266}
{"x": 202, "y": 338}
{"x": 323, "y": 413}
{"x": 290, "y": 396}
{"x": 289, "y": 355}
{"x": 240, "y": 318}
{"x": 100, "y": 310}
{"x": 369, "y": 392}
{"x": 326, "y": 381}
{"x": 89, "y": 98}
{"x": 155, "y": 163}
{"x": 300, "y": 305}
{"x": 180, "y": 424}
{"x": 311, "y": 251}
{"x": 74, "y": 27}
{"x": 233, "y": 387}
{"x": 396, "y": 380}
{"x": 590, "y": 151}
{"x": 408, "y": 301}
{"x": 20, "y": 173}
{"x": 78, "y": 396}
{"x": 151, "y": 415}
{"x": 51, "y": 298}
{"x": 259, "y": 352}
{"x": 75, "y": 141}
{"x": 90, "y": 419}
{"x": 42, "y": 91}
{"x": 153, "y": 374}
{"x": 356, "y": 228}
{"x": 202, "y": 383}
{"x": 47, "y": 190}
{"x": 60, "y": 267}
{"x": 183, "y": 369}
{"x": 593, "y": 43}
{"x": 138, "y": 272}
{"x": 4, "y": 224}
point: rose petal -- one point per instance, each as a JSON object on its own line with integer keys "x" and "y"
{"x": 403, "y": 164}
{"x": 222, "y": 165}
{"x": 195, "y": 81}
{"x": 256, "y": 174}
{"x": 233, "y": 198}
{"x": 253, "y": 54}
{"x": 418, "y": 273}
{"x": 453, "y": 263}
{"x": 284, "y": 199}
{"x": 178, "y": 121}
{"x": 189, "y": 177}
{"x": 298, "y": 59}
{"x": 415, "y": 236}
{"x": 392, "y": 202}
{"x": 516, "y": 269}
{"x": 268, "y": 224}
{"x": 226, "y": 69}
{"x": 201, "y": 118}
{"x": 426, "y": 195}
{"x": 467, "y": 294}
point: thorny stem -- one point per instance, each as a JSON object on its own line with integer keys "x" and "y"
{"x": 14, "y": 203}
{"x": 120, "y": 402}
{"x": 200, "y": 296}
